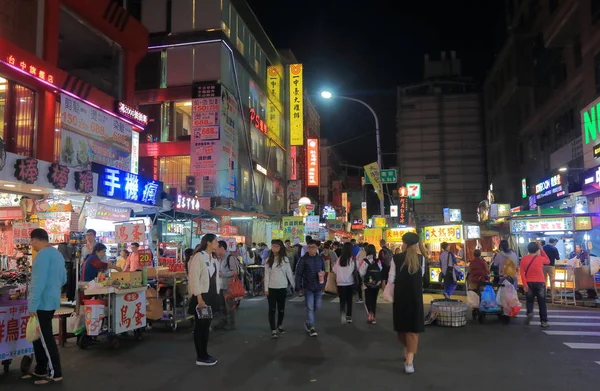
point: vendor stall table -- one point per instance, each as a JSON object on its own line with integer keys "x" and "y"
{"x": 13, "y": 344}
{"x": 174, "y": 298}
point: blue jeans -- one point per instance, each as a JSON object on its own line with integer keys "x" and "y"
{"x": 313, "y": 303}
{"x": 537, "y": 289}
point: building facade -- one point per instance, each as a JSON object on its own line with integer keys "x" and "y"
{"x": 61, "y": 61}
{"x": 217, "y": 92}
{"x": 440, "y": 140}
{"x": 547, "y": 72}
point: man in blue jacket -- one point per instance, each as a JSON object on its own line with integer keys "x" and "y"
{"x": 310, "y": 277}
{"x": 48, "y": 276}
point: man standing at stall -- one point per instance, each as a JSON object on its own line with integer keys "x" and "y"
{"x": 48, "y": 276}
{"x": 133, "y": 260}
{"x": 90, "y": 242}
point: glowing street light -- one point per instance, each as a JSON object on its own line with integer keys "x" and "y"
{"x": 326, "y": 95}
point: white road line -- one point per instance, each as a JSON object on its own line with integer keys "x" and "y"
{"x": 566, "y": 311}
{"x": 574, "y": 333}
{"x": 297, "y": 299}
{"x": 582, "y": 324}
{"x": 580, "y": 345}
{"x": 598, "y": 362}
{"x": 258, "y": 298}
{"x": 564, "y": 317}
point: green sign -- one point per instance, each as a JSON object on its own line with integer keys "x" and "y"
{"x": 590, "y": 121}
{"x": 387, "y": 176}
{"x": 414, "y": 190}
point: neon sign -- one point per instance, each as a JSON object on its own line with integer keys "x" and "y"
{"x": 312, "y": 153}
{"x": 258, "y": 122}
{"x": 33, "y": 70}
{"x": 126, "y": 186}
{"x": 550, "y": 189}
{"x": 131, "y": 113}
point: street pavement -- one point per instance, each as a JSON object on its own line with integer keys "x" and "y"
{"x": 489, "y": 356}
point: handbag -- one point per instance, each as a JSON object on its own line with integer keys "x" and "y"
{"x": 331, "y": 286}
{"x": 388, "y": 292}
{"x": 235, "y": 289}
{"x": 356, "y": 276}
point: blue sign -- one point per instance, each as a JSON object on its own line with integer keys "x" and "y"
{"x": 125, "y": 186}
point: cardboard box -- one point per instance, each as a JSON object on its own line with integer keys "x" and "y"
{"x": 127, "y": 277}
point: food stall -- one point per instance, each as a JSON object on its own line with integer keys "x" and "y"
{"x": 393, "y": 236}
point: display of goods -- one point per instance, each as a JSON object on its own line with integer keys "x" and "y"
{"x": 13, "y": 277}
{"x": 177, "y": 267}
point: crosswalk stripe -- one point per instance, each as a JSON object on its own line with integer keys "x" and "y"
{"x": 566, "y": 311}
{"x": 297, "y": 299}
{"x": 582, "y": 324}
{"x": 581, "y": 345}
{"x": 564, "y": 317}
{"x": 573, "y": 333}
{"x": 257, "y": 298}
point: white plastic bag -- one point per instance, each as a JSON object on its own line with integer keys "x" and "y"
{"x": 33, "y": 333}
{"x": 472, "y": 299}
{"x": 73, "y": 323}
{"x": 510, "y": 297}
{"x": 388, "y": 292}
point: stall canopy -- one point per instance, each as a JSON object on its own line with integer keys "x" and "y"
{"x": 234, "y": 213}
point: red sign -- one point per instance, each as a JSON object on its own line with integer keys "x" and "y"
{"x": 293, "y": 158}
{"x": 209, "y": 227}
{"x": 403, "y": 192}
{"x": 310, "y": 207}
{"x": 131, "y": 296}
{"x": 145, "y": 257}
{"x": 258, "y": 122}
{"x": 312, "y": 162}
{"x": 32, "y": 69}
{"x": 403, "y": 211}
{"x": 228, "y": 230}
{"x": 131, "y": 113}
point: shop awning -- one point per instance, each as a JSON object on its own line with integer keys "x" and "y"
{"x": 235, "y": 213}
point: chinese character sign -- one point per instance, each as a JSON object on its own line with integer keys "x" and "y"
{"x": 294, "y": 189}
{"x": 363, "y": 211}
{"x": 13, "y": 326}
{"x": 26, "y": 170}
{"x": 146, "y": 257}
{"x": 293, "y": 229}
{"x": 130, "y": 232}
{"x": 125, "y": 186}
{"x": 131, "y": 311}
{"x": 443, "y": 233}
{"x": 394, "y": 235}
{"x": 227, "y": 154}
{"x": 373, "y": 235}
{"x": 373, "y": 172}
{"x": 31, "y": 69}
{"x": 403, "y": 211}
{"x": 58, "y": 176}
{"x": 84, "y": 181}
{"x": 541, "y": 225}
{"x": 22, "y": 232}
{"x": 312, "y": 162}
{"x": 206, "y": 117}
{"x": 91, "y": 135}
{"x": 296, "y": 105}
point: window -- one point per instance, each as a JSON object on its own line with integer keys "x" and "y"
{"x": 149, "y": 71}
{"x": 174, "y": 170}
{"x": 181, "y": 126}
{"x": 280, "y": 160}
{"x": 153, "y": 132}
{"x": 595, "y": 10}
{"x": 17, "y": 117}
{"x": 246, "y": 186}
{"x": 577, "y": 57}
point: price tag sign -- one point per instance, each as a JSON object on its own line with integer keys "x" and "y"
{"x": 146, "y": 258}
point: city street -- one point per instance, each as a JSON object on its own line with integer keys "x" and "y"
{"x": 345, "y": 357}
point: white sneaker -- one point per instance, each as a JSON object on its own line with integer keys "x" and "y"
{"x": 409, "y": 368}
{"x": 343, "y": 317}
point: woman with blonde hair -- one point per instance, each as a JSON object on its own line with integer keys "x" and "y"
{"x": 406, "y": 272}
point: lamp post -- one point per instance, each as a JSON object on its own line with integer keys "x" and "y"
{"x": 329, "y": 95}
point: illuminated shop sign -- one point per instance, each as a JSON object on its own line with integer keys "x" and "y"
{"x": 258, "y": 122}
{"x": 312, "y": 166}
{"x": 550, "y": 189}
{"x": 126, "y": 186}
{"x": 541, "y": 225}
{"x": 261, "y": 169}
{"x": 32, "y": 69}
{"x": 131, "y": 113}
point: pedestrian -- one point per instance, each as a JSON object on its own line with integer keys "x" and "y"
{"x": 278, "y": 274}
{"x": 447, "y": 263}
{"x": 228, "y": 269}
{"x": 534, "y": 284}
{"x": 371, "y": 270}
{"x": 203, "y": 285}
{"x": 310, "y": 280}
{"x": 187, "y": 255}
{"x": 550, "y": 270}
{"x": 344, "y": 273}
{"x": 48, "y": 276}
{"x": 505, "y": 255}
{"x": 406, "y": 272}
{"x": 359, "y": 256}
{"x": 478, "y": 272}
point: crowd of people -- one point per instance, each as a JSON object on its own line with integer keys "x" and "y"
{"x": 305, "y": 269}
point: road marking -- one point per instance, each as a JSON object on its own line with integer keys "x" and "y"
{"x": 297, "y": 299}
{"x": 582, "y": 324}
{"x": 567, "y": 311}
{"x": 257, "y": 298}
{"x": 564, "y": 317}
{"x": 336, "y": 300}
{"x": 574, "y": 333}
{"x": 598, "y": 362}
{"x": 581, "y": 345}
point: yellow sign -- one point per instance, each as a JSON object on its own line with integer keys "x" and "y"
{"x": 274, "y": 83}
{"x": 296, "y": 105}
{"x": 373, "y": 172}
{"x": 583, "y": 223}
{"x": 379, "y": 222}
{"x": 373, "y": 235}
{"x": 273, "y": 121}
{"x": 394, "y": 235}
{"x": 363, "y": 208}
{"x": 276, "y": 234}
{"x": 345, "y": 206}
{"x": 443, "y": 233}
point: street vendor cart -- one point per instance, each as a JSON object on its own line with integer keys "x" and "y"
{"x": 13, "y": 344}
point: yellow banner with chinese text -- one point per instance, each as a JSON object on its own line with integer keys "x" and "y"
{"x": 373, "y": 235}
{"x": 296, "y": 105}
{"x": 443, "y": 233}
{"x": 373, "y": 172}
{"x": 394, "y": 235}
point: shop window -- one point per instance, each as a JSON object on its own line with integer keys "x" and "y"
{"x": 174, "y": 170}
{"x": 181, "y": 126}
{"x": 152, "y": 133}
{"x": 24, "y": 120}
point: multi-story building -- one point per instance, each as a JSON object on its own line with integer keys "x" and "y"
{"x": 216, "y": 90}
{"x": 440, "y": 142}
{"x": 330, "y": 172}
{"x": 546, "y": 73}
{"x": 62, "y": 63}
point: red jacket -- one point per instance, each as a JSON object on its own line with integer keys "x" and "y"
{"x": 533, "y": 272}
{"x": 478, "y": 271}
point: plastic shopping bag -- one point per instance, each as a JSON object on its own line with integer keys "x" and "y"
{"x": 33, "y": 333}
{"x": 510, "y": 300}
{"x": 73, "y": 322}
{"x": 488, "y": 298}
{"x": 472, "y": 299}
{"x": 331, "y": 286}
{"x": 235, "y": 289}
{"x": 388, "y": 292}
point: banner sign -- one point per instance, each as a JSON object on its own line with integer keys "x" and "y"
{"x": 394, "y": 235}
{"x": 130, "y": 232}
{"x": 312, "y": 162}
{"x": 91, "y": 135}
{"x": 227, "y": 154}
{"x": 373, "y": 173}
{"x": 296, "y": 105}
{"x": 443, "y": 233}
{"x": 126, "y": 186}
{"x": 541, "y": 225}
{"x": 293, "y": 229}
{"x": 22, "y": 232}
{"x": 131, "y": 311}
{"x": 14, "y": 318}
{"x": 294, "y": 189}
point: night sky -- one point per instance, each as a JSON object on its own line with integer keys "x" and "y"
{"x": 367, "y": 49}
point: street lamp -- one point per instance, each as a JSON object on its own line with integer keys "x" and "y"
{"x": 329, "y": 95}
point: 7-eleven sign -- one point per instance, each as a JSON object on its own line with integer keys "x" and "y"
{"x": 414, "y": 191}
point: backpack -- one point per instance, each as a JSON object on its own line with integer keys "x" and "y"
{"x": 238, "y": 267}
{"x": 373, "y": 276}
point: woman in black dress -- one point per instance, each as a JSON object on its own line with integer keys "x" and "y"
{"x": 406, "y": 272}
